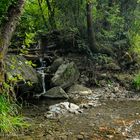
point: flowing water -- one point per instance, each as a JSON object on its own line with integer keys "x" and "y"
{"x": 42, "y": 73}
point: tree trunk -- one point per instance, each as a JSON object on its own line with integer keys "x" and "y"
{"x": 6, "y": 32}
{"x": 90, "y": 30}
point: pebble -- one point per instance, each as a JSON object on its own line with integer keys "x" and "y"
{"x": 137, "y": 113}
{"x": 80, "y": 137}
{"x": 109, "y": 136}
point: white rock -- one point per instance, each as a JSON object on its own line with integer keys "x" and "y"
{"x": 62, "y": 108}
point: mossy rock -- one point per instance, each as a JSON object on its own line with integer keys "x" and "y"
{"x": 66, "y": 75}
{"x": 55, "y": 92}
{"x": 19, "y": 71}
{"x": 57, "y": 62}
{"x": 17, "y": 65}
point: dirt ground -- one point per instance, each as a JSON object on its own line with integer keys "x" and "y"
{"x": 114, "y": 120}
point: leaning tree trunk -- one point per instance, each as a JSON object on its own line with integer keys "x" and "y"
{"x": 6, "y": 32}
{"x": 90, "y": 30}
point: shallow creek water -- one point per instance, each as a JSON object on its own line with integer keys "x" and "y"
{"x": 112, "y": 120}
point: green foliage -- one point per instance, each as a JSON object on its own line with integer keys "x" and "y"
{"x": 4, "y": 5}
{"x": 31, "y": 20}
{"x": 30, "y": 63}
{"x": 72, "y": 13}
{"x": 29, "y": 39}
{"x": 136, "y": 81}
{"x": 10, "y": 120}
{"x": 111, "y": 22}
{"x": 134, "y": 32}
{"x": 135, "y": 42}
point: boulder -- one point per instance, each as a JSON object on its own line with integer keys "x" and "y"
{"x": 66, "y": 75}
{"x": 57, "y": 62}
{"x": 17, "y": 67}
{"x": 55, "y": 92}
{"x": 79, "y": 89}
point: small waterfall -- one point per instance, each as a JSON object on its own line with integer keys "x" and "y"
{"x": 41, "y": 70}
{"x": 42, "y": 73}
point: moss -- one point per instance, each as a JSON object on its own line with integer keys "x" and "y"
{"x": 68, "y": 72}
{"x": 1, "y": 43}
{"x": 66, "y": 75}
{"x": 1, "y": 70}
{"x": 1, "y": 62}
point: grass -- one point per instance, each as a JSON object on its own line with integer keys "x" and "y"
{"x": 136, "y": 81}
{"x": 10, "y": 120}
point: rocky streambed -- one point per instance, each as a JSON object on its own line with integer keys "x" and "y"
{"x": 68, "y": 110}
{"x": 93, "y": 116}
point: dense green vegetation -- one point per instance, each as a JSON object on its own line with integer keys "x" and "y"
{"x": 97, "y": 26}
{"x": 10, "y": 120}
{"x": 114, "y": 23}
